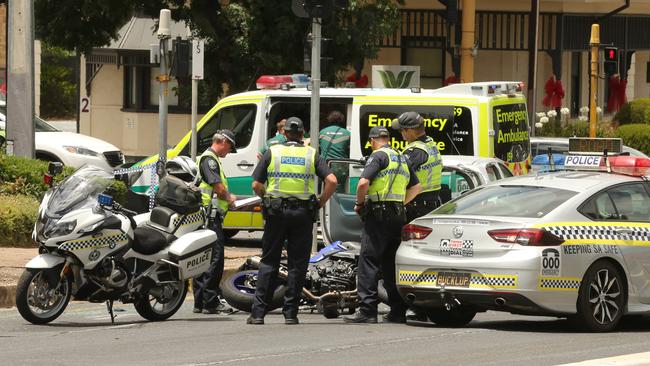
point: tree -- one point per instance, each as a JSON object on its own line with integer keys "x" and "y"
{"x": 244, "y": 38}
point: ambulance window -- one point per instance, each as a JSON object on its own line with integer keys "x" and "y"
{"x": 511, "y": 140}
{"x": 240, "y": 119}
{"x": 300, "y": 107}
{"x": 449, "y": 126}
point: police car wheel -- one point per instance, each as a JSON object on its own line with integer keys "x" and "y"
{"x": 458, "y": 316}
{"x": 602, "y": 297}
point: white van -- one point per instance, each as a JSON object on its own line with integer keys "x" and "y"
{"x": 487, "y": 119}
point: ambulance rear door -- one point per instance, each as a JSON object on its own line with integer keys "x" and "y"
{"x": 510, "y": 132}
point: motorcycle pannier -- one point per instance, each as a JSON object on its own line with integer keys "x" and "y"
{"x": 178, "y": 195}
{"x": 193, "y": 252}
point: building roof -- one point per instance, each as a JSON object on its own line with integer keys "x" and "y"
{"x": 140, "y": 34}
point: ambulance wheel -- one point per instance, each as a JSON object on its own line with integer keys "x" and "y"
{"x": 458, "y": 316}
{"x": 601, "y": 298}
{"x": 229, "y": 233}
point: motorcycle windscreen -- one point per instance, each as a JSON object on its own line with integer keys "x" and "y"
{"x": 339, "y": 221}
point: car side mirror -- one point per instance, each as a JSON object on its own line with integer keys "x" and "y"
{"x": 54, "y": 168}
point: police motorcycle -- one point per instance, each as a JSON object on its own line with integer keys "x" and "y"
{"x": 92, "y": 249}
{"x": 330, "y": 284}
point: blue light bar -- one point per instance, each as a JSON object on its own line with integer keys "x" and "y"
{"x": 541, "y": 162}
{"x": 105, "y": 200}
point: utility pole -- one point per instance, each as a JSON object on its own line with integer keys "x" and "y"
{"x": 467, "y": 41}
{"x": 315, "y": 102}
{"x": 533, "y": 46}
{"x": 197, "y": 74}
{"x": 594, "y": 44}
{"x": 20, "y": 78}
{"x": 164, "y": 34}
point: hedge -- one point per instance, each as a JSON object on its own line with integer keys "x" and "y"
{"x": 573, "y": 128}
{"x": 17, "y": 217}
{"x": 636, "y": 111}
{"x": 636, "y": 135}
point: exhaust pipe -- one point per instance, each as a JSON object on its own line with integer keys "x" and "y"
{"x": 499, "y": 301}
{"x": 410, "y": 297}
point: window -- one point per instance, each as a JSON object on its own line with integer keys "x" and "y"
{"x": 301, "y": 108}
{"x": 240, "y": 119}
{"x": 426, "y": 52}
{"x": 492, "y": 172}
{"x": 509, "y": 201}
{"x": 511, "y": 140}
{"x": 455, "y": 182}
{"x": 449, "y": 126}
{"x": 628, "y": 202}
{"x": 505, "y": 172}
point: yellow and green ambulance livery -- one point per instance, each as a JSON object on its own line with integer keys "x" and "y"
{"x": 487, "y": 119}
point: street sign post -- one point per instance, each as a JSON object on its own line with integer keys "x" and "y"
{"x": 198, "y": 51}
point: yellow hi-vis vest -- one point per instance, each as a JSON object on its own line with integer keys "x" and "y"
{"x": 390, "y": 183}
{"x": 291, "y": 171}
{"x": 207, "y": 190}
{"x": 430, "y": 172}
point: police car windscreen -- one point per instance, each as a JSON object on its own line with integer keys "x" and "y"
{"x": 449, "y": 126}
{"x": 508, "y": 201}
{"x": 511, "y": 140}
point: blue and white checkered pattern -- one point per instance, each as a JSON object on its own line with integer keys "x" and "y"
{"x": 151, "y": 192}
{"x": 392, "y": 171}
{"x": 93, "y": 242}
{"x": 430, "y": 165}
{"x": 290, "y": 175}
{"x": 599, "y": 232}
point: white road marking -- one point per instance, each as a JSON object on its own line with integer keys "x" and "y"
{"x": 634, "y": 359}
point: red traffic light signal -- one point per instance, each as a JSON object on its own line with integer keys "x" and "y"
{"x": 611, "y": 54}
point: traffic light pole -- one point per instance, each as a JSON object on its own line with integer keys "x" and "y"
{"x": 164, "y": 35}
{"x": 315, "y": 102}
{"x": 594, "y": 43}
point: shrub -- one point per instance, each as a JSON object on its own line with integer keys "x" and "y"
{"x": 635, "y": 135}
{"x": 574, "y": 128}
{"x": 636, "y": 111}
{"x": 17, "y": 217}
{"x": 24, "y": 176}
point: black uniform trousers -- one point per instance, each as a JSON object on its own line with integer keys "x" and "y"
{"x": 206, "y": 286}
{"x": 379, "y": 243}
{"x": 420, "y": 207}
{"x": 293, "y": 224}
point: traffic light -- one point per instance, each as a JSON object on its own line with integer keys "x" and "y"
{"x": 611, "y": 60}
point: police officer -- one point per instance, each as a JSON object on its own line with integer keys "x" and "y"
{"x": 212, "y": 181}
{"x": 290, "y": 210}
{"x": 386, "y": 183}
{"x": 424, "y": 158}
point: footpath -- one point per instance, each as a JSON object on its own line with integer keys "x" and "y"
{"x": 13, "y": 260}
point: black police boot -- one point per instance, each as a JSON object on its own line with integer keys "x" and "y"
{"x": 291, "y": 321}
{"x": 360, "y": 317}
{"x": 255, "y": 321}
{"x": 394, "y": 318}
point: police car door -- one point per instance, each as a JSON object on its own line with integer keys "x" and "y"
{"x": 339, "y": 221}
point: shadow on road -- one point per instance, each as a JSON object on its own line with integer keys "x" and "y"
{"x": 629, "y": 324}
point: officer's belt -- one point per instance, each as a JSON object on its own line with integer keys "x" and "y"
{"x": 386, "y": 204}
{"x": 430, "y": 201}
{"x": 293, "y": 202}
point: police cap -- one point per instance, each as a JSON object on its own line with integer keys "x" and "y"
{"x": 294, "y": 124}
{"x": 407, "y": 120}
{"x": 378, "y": 131}
{"x": 227, "y": 135}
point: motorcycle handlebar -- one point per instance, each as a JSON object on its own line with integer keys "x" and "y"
{"x": 126, "y": 212}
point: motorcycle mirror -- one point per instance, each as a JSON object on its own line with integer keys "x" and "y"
{"x": 54, "y": 168}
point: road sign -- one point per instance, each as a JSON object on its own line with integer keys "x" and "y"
{"x": 198, "y": 49}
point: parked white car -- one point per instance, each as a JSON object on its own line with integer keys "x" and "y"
{"x": 71, "y": 149}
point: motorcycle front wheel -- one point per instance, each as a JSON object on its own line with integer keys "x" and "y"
{"x": 37, "y": 301}
{"x": 162, "y": 301}
{"x": 239, "y": 291}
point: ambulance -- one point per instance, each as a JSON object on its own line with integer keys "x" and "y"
{"x": 486, "y": 119}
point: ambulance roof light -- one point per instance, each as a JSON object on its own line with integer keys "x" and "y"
{"x": 284, "y": 82}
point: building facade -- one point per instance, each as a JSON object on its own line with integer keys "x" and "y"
{"x": 121, "y": 90}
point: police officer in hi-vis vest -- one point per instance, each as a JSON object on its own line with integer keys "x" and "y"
{"x": 386, "y": 184}
{"x": 290, "y": 210}
{"x": 424, "y": 158}
{"x": 212, "y": 181}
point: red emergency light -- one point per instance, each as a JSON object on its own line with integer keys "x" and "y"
{"x": 635, "y": 166}
{"x": 273, "y": 81}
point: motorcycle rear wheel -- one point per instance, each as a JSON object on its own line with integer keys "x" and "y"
{"x": 157, "y": 307}
{"x": 239, "y": 291}
{"x": 36, "y": 301}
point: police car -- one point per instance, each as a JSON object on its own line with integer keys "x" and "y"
{"x": 572, "y": 243}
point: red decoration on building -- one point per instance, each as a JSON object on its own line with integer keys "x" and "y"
{"x": 617, "y": 96}
{"x": 361, "y": 82}
{"x": 554, "y": 93}
{"x": 451, "y": 79}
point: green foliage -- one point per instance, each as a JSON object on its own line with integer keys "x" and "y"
{"x": 636, "y": 111}
{"x": 17, "y": 216}
{"x": 572, "y": 128}
{"x": 635, "y": 135}
{"x": 58, "y": 90}
{"x": 80, "y": 25}
{"x": 24, "y": 176}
